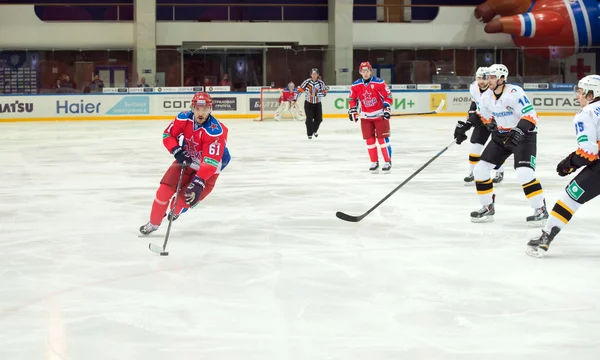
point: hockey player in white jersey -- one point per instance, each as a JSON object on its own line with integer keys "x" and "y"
{"x": 287, "y": 103}
{"x": 586, "y": 185}
{"x": 481, "y": 133}
{"x": 508, "y": 113}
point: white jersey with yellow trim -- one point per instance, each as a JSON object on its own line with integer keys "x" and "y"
{"x": 507, "y": 110}
{"x": 587, "y": 131}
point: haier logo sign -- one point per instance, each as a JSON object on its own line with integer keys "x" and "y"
{"x": 129, "y": 105}
{"x": 81, "y": 107}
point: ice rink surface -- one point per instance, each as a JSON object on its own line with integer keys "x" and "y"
{"x": 263, "y": 269}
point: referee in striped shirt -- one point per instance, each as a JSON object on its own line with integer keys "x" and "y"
{"x": 314, "y": 89}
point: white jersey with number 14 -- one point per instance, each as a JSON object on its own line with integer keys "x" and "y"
{"x": 507, "y": 110}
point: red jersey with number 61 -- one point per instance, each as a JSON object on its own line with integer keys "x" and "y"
{"x": 373, "y": 94}
{"x": 204, "y": 143}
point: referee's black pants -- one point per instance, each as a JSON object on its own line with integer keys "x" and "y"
{"x": 314, "y": 117}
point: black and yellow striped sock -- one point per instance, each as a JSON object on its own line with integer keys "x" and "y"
{"x": 484, "y": 187}
{"x": 532, "y": 188}
{"x": 562, "y": 212}
{"x": 474, "y": 159}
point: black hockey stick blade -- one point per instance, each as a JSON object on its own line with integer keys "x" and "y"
{"x": 349, "y": 218}
{"x": 343, "y": 216}
{"x": 436, "y": 111}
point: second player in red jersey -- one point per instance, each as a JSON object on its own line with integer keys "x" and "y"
{"x": 204, "y": 153}
{"x": 375, "y": 100}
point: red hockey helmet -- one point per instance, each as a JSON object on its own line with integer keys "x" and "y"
{"x": 201, "y": 99}
{"x": 365, "y": 65}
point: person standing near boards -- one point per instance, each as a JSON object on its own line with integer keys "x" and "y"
{"x": 315, "y": 90}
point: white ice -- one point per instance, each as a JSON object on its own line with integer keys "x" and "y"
{"x": 264, "y": 270}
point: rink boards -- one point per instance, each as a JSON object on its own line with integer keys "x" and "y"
{"x": 160, "y": 104}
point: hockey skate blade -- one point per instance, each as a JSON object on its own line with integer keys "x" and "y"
{"x": 157, "y": 249}
{"x": 537, "y": 224}
{"x": 483, "y": 220}
{"x": 534, "y": 252}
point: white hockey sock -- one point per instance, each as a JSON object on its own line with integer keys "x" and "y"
{"x": 474, "y": 156}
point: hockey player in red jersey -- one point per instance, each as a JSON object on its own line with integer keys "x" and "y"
{"x": 287, "y": 103}
{"x": 375, "y": 100}
{"x": 204, "y": 153}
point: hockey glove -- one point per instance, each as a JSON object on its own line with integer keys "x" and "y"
{"x": 460, "y": 131}
{"x": 194, "y": 190}
{"x": 181, "y": 155}
{"x": 514, "y": 138}
{"x": 387, "y": 113}
{"x": 571, "y": 163}
{"x": 353, "y": 114}
{"x": 492, "y": 126}
{"x": 565, "y": 166}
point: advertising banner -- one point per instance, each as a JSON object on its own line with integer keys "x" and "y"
{"x": 337, "y": 103}
{"x": 141, "y": 106}
{"x": 554, "y": 101}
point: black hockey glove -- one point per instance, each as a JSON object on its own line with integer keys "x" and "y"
{"x": 514, "y": 138}
{"x": 181, "y": 155}
{"x": 565, "y": 166}
{"x": 387, "y": 113}
{"x": 571, "y": 163}
{"x": 492, "y": 126}
{"x": 194, "y": 190}
{"x": 460, "y": 131}
{"x": 353, "y": 114}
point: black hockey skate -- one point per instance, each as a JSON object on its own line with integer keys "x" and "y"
{"x": 316, "y": 135}
{"x": 374, "y": 168}
{"x": 539, "y": 217}
{"x": 309, "y": 137}
{"x": 387, "y": 167}
{"x": 469, "y": 180}
{"x": 536, "y": 247}
{"x": 148, "y": 229}
{"x": 485, "y": 214}
{"x": 498, "y": 178}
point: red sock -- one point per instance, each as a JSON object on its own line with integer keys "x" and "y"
{"x": 372, "y": 147}
{"x": 386, "y": 149}
{"x": 160, "y": 204}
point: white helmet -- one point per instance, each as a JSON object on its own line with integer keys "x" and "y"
{"x": 482, "y": 72}
{"x": 499, "y": 71}
{"x": 590, "y": 83}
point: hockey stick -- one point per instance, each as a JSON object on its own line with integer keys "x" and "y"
{"x": 350, "y": 218}
{"x": 157, "y": 248}
{"x": 436, "y": 111}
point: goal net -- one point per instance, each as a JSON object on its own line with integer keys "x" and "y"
{"x": 270, "y": 107}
